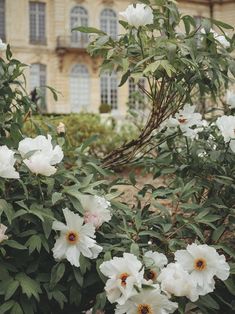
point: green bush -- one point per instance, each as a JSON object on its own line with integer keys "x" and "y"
{"x": 80, "y": 127}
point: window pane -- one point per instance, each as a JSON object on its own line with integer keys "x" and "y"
{"x": 79, "y": 17}
{"x": 79, "y": 88}
{"x": 2, "y": 20}
{"x": 108, "y": 22}
{"x": 109, "y": 89}
{"x": 37, "y": 20}
{"x": 37, "y": 84}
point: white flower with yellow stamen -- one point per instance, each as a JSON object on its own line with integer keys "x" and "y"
{"x": 202, "y": 262}
{"x": 154, "y": 262}
{"x": 148, "y": 301}
{"x": 125, "y": 275}
{"x": 75, "y": 238}
{"x": 7, "y": 162}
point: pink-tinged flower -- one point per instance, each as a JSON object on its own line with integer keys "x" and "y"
{"x": 3, "y": 229}
{"x": 75, "y": 238}
{"x": 96, "y": 209}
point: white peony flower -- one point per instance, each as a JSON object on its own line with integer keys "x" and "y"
{"x": 3, "y": 229}
{"x": 7, "y": 162}
{"x": 148, "y": 301}
{"x": 124, "y": 275}
{"x": 185, "y": 119}
{"x": 175, "y": 280}
{"x": 226, "y": 124}
{"x": 230, "y": 99}
{"x": 96, "y": 209}
{"x": 75, "y": 238}
{"x": 3, "y": 46}
{"x": 42, "y": 156}
{"x": 203, "y": 263}
{"x": 138, "y": 15}
{"x": 154, "y": 261}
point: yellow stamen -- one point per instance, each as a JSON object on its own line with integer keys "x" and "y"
{"x": 123, "y": 278}
{"x": 200, "y": 264}
{"x": 151, "y": 275}
{"x": 144, "y": 309}
{"x": 72, "y": 237}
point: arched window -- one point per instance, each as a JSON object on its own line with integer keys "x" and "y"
{"x": 109, "y": 89}
{"x": 109, "y": 22}
{"x": 78, "y": 17}
{"x": 136, "y": 95}
{"x": 79, "y": 88}
{"x": 38, "y": 84}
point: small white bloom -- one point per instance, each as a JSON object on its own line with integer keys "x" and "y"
{"x": 3, "y": 46}
{"x": 7, "y": 162}
{"x": 96, "y": 209}
{"x": 230, "y": 99}
{"x": 154, "y": 262}
{"x": 43, "y": 156}
{"x": 124, "y": 275}
{"x": 223, "y": 41}
{"x": 138, "y": 15}
{"x": 185, "y": 119}
{"x": 220, "y": 38}
{"x": 226, "y": 125}
{"x": 148, "y": 301}
{"x": 175, "y": 280}
{"x": 60, "y": 128}
{"x": 3, "y": 229}
{"x": 75, "y": 238}
{"x": 202, "y": 262}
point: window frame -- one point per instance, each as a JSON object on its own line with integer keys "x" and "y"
{"x": 107, "y": 21}
{"x": 80, "y": 18}
{"x": 37, "y": 19}
{"x": 107, "y": 96}
{"x": 3, "y": 20}
{"x": 41, "y": 77}
{"x": 80, "y": 72}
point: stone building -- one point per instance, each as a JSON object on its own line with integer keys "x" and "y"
{"x": 39, "y": 32}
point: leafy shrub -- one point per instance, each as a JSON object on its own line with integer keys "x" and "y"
{"x": 80, "y": 127}
{"x": 65, "y": 235}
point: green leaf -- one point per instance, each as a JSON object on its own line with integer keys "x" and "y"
{"x": 91, "y": 30}
{"x": 7, "y": 209}
{"x": 217, "y": 233}
{"x": 14, "y": 244}
{"x": 16, "y": 309}
{"x": 29, "y": 286}
{"x": 11, "y": 289}
{"x": 57, "y": 273}
{"x": 135, "y": 249}
{"x": 6, "y": 306}
{"x": 56, "y": 197}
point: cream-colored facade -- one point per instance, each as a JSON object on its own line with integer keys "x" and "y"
{"x": 60, "y": 59}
